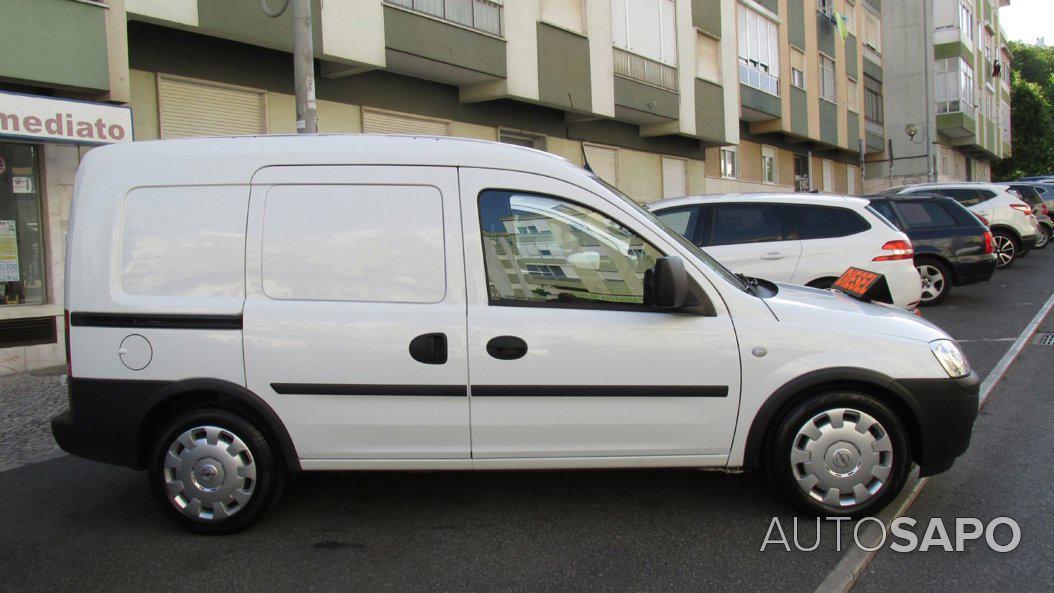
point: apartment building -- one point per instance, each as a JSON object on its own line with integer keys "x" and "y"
{"x": 950, "y": 117}
{"x": 661, "y": 97}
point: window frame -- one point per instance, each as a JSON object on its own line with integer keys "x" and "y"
{"x": 556, "y": 304}
{"x": 827, "y": 68}
{"x": 735, "y": 162}
{"x": 769, "y": 154}
{"x": 788, "y": 213}
{"x": 874, "y": 100}
{"x": 708, "y": 215}
{"x": 758, "y": 50}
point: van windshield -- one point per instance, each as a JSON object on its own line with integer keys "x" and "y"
{"x": 694, "y": 249}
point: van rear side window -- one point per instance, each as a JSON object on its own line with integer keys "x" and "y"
{"x": 184, "y": 242}
{"x": 371, "y": 243}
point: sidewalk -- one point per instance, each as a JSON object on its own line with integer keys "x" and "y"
{"x": 27, "y": 403}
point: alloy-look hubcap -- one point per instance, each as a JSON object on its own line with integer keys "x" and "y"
{"x": 932, "y": 282}
{"x": 1004, "y": 250}
{"x": 842, "y": 457}
{"x": 209, "y": 473}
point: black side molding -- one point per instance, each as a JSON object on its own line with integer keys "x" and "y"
{"x": 359, "y": 389}
{"x": 158, "y": 321}
{"x": 600, "y": 391}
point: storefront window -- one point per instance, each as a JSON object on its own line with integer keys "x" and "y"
{"x": 21, "y": 227}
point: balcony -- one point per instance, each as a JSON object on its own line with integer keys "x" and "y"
{"x": 72, "y": 54}
{"x": 957, "y": 125}
{"x": 449, "y": 41}
{"x": 645, "y": 89}
{"x": 645, "y": 70}
{"x": 480, "y": 15}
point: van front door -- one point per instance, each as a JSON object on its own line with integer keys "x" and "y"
{"x": 354, "y": 320}
{"x": 565, "y": 359}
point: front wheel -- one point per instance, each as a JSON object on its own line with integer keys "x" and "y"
{"x": 213, "y": 472}
{"x": 839, "y": 454}
{"x": 1044, "y": 236}
{"x": 1007, "y": 249}
{"x": 936, "y": 281}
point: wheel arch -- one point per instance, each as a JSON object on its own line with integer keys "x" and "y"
{"x": 187, "y": 394}
{"x": 939, "y": 257}
{"x": 797, "y": 390}
{"x": 1011, "y": 230}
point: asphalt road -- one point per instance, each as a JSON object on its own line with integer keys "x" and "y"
{"x": 68, "y": 524}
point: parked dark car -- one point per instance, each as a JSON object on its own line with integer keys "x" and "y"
{"x": 1034, "y": 194}
{"x": 952, "y": 246}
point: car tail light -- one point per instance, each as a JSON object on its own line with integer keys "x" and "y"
{"x": 989, "y": 242}
{"x": 896, "y": 250}
{"x": 69, "y": 360}
{"x": 1025, "y": 208}
{"x": 1043, "y": 208}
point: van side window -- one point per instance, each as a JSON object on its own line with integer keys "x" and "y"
{"x": 545, "y": 250}
{"x": 826, "y": 222}
{"x": 358, "y": 243}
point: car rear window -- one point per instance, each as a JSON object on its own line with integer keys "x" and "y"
{"x": 825, "y": 222}
{"x": 745, "y": 223}
{"x": 885, "y": 210}
{"x": 925, "y": 215}
{"x": 681, "y": 220}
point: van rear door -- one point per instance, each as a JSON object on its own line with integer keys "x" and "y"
{"x": 354, "y": 322}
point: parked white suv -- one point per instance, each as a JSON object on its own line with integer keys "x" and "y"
{"x": 1015, "y": 229}
{"x": 241, "y": 308}
{"x": 808, "y": 239}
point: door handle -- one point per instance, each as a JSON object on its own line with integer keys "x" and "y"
{"x": 774, "y": 255}
{"x": 506, "y": 347}
{"x": 429, "y": 348}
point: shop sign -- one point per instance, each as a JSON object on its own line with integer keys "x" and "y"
{"x": 8, "y": 252}
{"x": 30, "y": 117}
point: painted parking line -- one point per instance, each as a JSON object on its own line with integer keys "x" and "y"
{"x": 845, "y": 574}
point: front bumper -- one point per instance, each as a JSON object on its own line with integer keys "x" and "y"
{"x": 946, "y": 412}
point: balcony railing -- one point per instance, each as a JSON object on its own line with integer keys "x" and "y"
{"x": 646, "y": 70}
{"x": 481, "y": 15}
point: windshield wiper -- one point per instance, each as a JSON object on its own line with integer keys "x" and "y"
{"x": 749, "y": 284}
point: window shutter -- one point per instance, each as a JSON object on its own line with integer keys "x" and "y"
{"x": 828, "y": 176}
{"x": 674, "y": 178}
{"x": 668, "y": 18}
{"x": 850, "y": 180}
{"x": 619, "y": 31}
{"x": 380, "y": 122}
{"x": 194, "y": 109}
{"x": 604, "y": 162}
{"x": 645, "y": 28}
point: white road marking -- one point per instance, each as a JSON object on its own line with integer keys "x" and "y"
{"x": 845, "y": 574}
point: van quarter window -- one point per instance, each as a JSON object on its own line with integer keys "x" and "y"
{"x": 545, "y": 250}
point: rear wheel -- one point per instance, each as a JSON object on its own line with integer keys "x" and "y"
{"x": 213, "y": 472}
{"x": 936, "y": 281}
{"x": 1007, "y": 248}
{"x": 1044, "y": 236}
{"x": 840, "y": 454}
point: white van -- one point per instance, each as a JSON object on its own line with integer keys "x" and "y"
{"x": 243, "y": 308}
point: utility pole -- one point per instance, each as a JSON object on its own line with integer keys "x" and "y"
{"x": 303, "y": 63}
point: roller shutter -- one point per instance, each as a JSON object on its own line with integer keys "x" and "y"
{"x": 195, "y": 109}
{"x": 604, "y": 162}
{"x": 383, "y": 122}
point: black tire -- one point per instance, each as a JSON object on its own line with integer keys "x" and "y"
{"x": 999, "y": 236}
{"x": 784, "y": 474}
{"x": 266, "y": 488}
{"x": 1046, "y": 234}
{"x": 939, "y": 291}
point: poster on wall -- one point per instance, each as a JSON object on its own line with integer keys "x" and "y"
{"x": 21, "y": 184}
{"x": 8, "y": 252}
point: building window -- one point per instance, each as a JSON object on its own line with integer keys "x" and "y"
{"x": 955, "y": 85}
{"x": 989, "y": 106}
{"x": 522, "y": 139}
{"x": 828, "y": 91}
{"x": 674, "y": 177}
{"x": 191, "y": 108}
{"x": 481, "y": 15}
{"x": 828, "y": 175}
{"x": 826, "y": 7}
{"x": 989, "y": 43}
{"x": 729, "y": 163}
{"x": 22, "y": 277}
{"x": 707, "y": 58}
{"x": 647, "y": 28}
{"x": 852, "y": 89}
{"x": 603, "y": 160}
{"x": 375, "y": 121}
{"x": 966, "y": 24}
{"x": 872, "y": 32}
{"x": 798, "y": 78}
{"x": 850, "y": 17}
{"x": 850, "y": 180}
{"x": 759, "y": 55}
{"x": 768, "y": 164}
{"x": 874, "y": 105}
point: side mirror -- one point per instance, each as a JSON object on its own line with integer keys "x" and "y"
{"x": 666, "y": 285}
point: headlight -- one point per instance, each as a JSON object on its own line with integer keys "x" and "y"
{"x": 951, "y": 358}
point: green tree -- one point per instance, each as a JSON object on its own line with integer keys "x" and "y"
{"x": 1032, "y": 104}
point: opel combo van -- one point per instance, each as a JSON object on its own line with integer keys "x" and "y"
{"x": 244, "y": 309}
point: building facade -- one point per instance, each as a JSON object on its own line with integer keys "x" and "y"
{"x": 950, "y": 117}
{"x": 662, "y": 97}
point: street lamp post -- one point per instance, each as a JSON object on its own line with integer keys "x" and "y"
{"x": 303, "y": 63}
